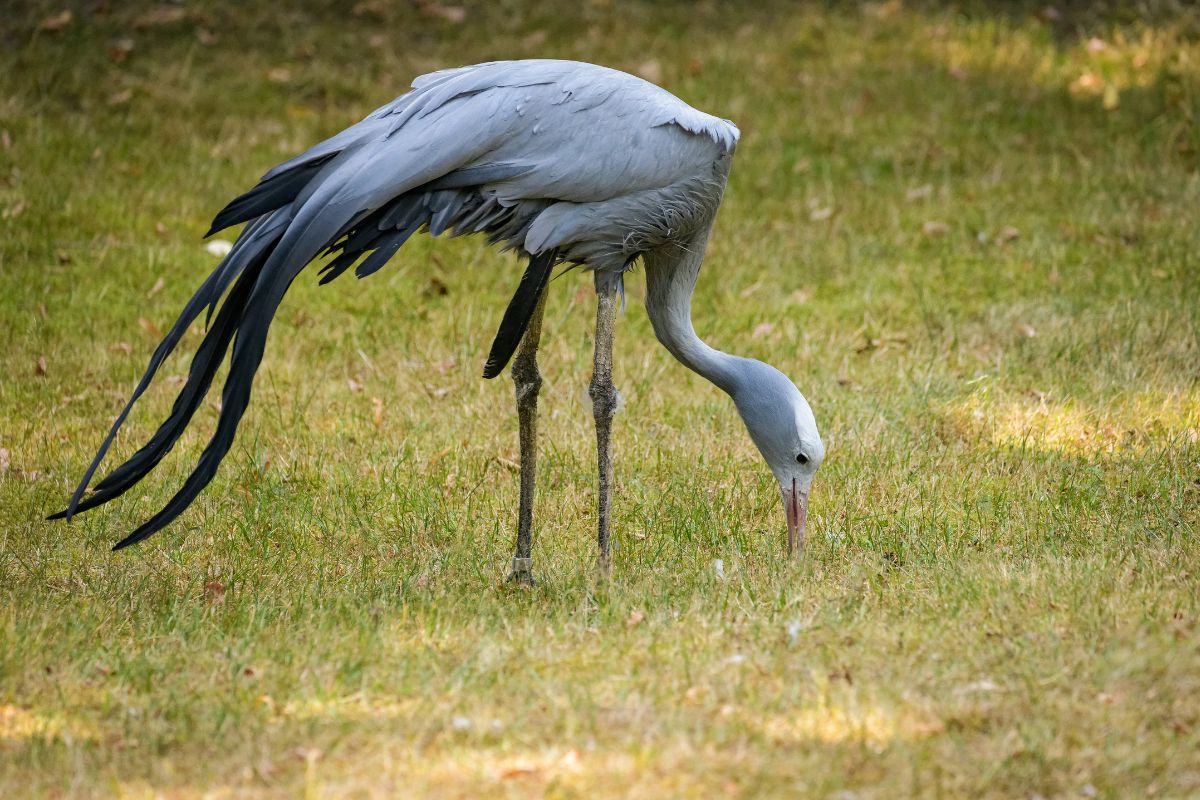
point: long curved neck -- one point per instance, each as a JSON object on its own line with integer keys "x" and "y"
{"x": 671, "y": 274}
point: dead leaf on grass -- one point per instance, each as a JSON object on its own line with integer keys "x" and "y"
{"x": 635, "y": 618}
{"x": 158, "y": 16}
{"x": 156, "y": 288}
{"x": 149, "y": 327}
{"x": 452, "y": 14}
{"x": 57, "y": 22}
{"x": 120, "y": 49}
{"x": 517, "y": 769}
{"x": 40, "y": 367}
{"x": 919, "y": 192}
{"x": 934, "y": 227}
{"x": 214, "y": 591}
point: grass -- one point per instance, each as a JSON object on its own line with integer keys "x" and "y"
{"x": 971, "y": 238}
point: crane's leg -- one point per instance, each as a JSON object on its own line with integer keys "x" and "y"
{"x": 605, "y": 400}
{"x": 527, "y": 381}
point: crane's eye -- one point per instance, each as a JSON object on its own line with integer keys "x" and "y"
{"x": 801, "y": 459}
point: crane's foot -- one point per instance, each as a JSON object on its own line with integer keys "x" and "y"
{"x": 522, "y": 572}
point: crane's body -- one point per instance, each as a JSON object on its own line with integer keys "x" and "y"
{"x": 558, "y": 160}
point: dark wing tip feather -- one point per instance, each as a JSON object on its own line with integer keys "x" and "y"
{"x": 519, "y": 312}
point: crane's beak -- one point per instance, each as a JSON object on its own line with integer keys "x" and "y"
{"x": 795, "y": 503}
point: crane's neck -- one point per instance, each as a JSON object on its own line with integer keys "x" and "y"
{"x": 671, "y": 274}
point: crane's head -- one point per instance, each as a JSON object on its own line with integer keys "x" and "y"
{"x": 782, "y": 425}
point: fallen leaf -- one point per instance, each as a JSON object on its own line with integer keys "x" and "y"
{"x": 40, "y": 368}
{"x": 762, "y": 329}
{"x": 438, "y": 287}
{"x": 517, "y": 769}
{"x": 1095, "y": 45}
{"x": 4, "y": 460}
{"x": 377, "y": 404}
{"x": 1025, "y": 330}
{"x": 206, "y": 37}
{"x": 1007, "y": 234}
{"x": 121, "y": 347}
{"x": 535, "y": 39}
{"x": 120, "y": 49}
{"x": 56, "y": 22}
{"x": 250, "y": 671}
{"x": 120, "y": 98}
{"x": 159, "y": 16}
{"x": 156, "y": 288}
{"x": 218, "y": 247}
{"x": 6, "y": 139}
{"x": 160, "y": 229}
{"x": 820, "y": 214}
{"x": 635, "y": 618}
{"x": 695, "y": 66}
{"x": 651, "y": 70}
{"x": 149, "y": 327}
{"x": 279, "y": 74}
{"x": 454, "y": 14}
{"x": 214, "y": 591}
{"x": 355, "y": 386}
{"x": 1087, "y": 83}
{"x": 934, "y": 227}
{"x": 369, "y": 8}
{"x": 919, "y": 192}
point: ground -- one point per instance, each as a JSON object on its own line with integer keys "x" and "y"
{"x": 971, "y": 238}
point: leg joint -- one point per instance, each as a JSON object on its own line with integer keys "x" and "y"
{"x": 606, "y": 400}
{"x": 527, "y": 380}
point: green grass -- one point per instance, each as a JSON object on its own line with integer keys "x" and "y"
{"x": 999, "y": 597}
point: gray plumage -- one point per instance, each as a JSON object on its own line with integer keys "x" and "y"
{"x": 558, "y": 160}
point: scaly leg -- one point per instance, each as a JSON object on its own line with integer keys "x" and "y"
{"x": 604, "y": 404}
{"x": 527, "y": 381}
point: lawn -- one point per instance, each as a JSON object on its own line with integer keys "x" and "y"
{"x": 970, "y": 236}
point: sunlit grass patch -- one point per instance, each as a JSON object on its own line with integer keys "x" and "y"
{"x": 1134, "y": 423}
{"x": 19, "y": 725}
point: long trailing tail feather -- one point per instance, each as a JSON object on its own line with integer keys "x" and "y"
{"x": 248, "y": 246}
{"x": 363, "y": 192}
{"x": 204, "y": 367}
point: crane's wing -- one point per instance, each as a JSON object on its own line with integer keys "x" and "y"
{"x": 489, "y": 148}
